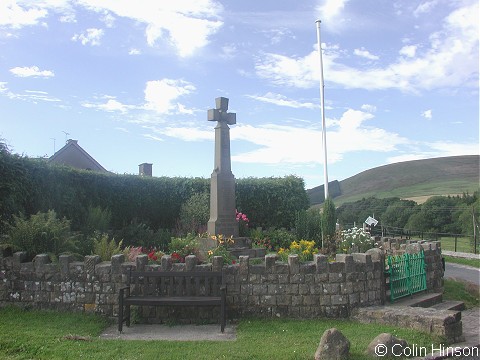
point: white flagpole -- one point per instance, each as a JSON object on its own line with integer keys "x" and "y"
{"x": 322, "y": 105}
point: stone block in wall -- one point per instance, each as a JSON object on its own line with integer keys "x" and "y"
{"x": 270, "y": 260}
{"x": 64, "y": 263}
{"x": 311, "y": 300}
{"x": 178, "y": 267}
{"x": 336, "y": 277}
{"x": 297, "y": 278}
{"x": 285, "y": 300}
{"x": 331, "y": 288}
{"x": 116, "y": 262}
{"x": 17, "y": 259}
{"x": 339, "y": 300}
{"x": 321, "y": 278}
{"x": 346, "y": 288}
{"x": 259, "y": 289}
{"x": 268, "y": 300}
{"x": 347, "y": 260}
{"x": 308, "y": 268}
{"x": 321, "y": 263}
{"x": 354, "y": 299}
{"x": 281, "y": 268}
{"x": 256, "y": 270}
{"x": 303, "y": 289}
{"x": 336, "y": 267}
{"x": 293, "y": 264}
{"x": 76, "y": 271}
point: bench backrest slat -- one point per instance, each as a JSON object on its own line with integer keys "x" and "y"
{"x": 176, "y": 283}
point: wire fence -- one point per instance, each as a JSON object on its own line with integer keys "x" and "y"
{"x": 450, "y": 242}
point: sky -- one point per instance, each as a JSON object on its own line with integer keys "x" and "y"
{"x": 132, "y": 81}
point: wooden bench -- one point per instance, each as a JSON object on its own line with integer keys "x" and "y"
{"x": 177, "y": 288}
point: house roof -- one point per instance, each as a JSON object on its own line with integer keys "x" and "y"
{"x": 74, "y": 155}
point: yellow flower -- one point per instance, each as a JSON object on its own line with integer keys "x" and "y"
{"x": 210, "y": 252}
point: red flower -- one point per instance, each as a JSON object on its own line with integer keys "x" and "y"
{"x": 234, "y": 262}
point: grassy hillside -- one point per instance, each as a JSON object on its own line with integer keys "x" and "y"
{"x": 410, "y": 179}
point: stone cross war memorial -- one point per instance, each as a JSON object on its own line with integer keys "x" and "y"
{"x": 222, "y": 184}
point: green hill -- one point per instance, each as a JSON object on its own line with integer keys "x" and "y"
{"x": 417, "y": 180}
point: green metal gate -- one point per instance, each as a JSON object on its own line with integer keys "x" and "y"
{"x": 407, "y": 275}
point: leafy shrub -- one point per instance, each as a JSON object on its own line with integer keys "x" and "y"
{"x": 98, "y": 219}
{"x": 194, "y": 214}
{"x": 220, "y": 251}
{"x": 140, "y": 234}
{"x": 279, "y": 238}
{"x": 355, "y": 240}
{"x": 308, "y": 225}
{"x": 304, "y": 249}
{"x": 182, "y": 247}
{"x": 42, "y": 233}
{"x": 104, "y": 246}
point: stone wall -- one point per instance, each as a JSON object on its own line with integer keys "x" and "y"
{"x": 261, "y": 288}
{"x": 433, "y": 257}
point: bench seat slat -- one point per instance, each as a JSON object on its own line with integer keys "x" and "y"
{"x": 173, "y": 300}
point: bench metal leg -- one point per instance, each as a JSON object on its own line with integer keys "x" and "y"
{"x": 222, "y": 316}
{"x": 127, "y": 315}
{"x": 120, "y": 314}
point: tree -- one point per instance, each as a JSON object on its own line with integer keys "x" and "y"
{"x": 329, "y": 219}
{"x": 398, "y": 213}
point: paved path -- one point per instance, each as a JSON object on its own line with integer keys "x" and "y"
{"x": 176, "y": 333}
{"x": 462, "y": 272}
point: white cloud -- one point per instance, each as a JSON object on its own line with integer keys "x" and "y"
{"x": 33, "y": 96}
{"x": 109, "y": 20}
{"x": 92, "y": 36}
{"x": 437, "y": 149}
{"x": 448, "y": 148}
{"x": 290, "y": 71}
{"x": 425, "y": 7}
{"x": 188, "y": 134}
{"x": 185, "y": 24}
{"x": 161, "y": 95}
{"x": 369, "y": 108}
{"x": 408, "y": 51}
{"x": 16, "y": 16}
{"x": 279, "y": 144}
{"x": 111, "y": 105}
{"x": 332, "y": 14}
{"x": 427, "y": 114}
{"x": 134, "y": 52}
{"x": 282, "y": 100}
{"x": 450, "y": 61}
{"x": 365, "y": 54}
{"x": 31, "y": 71}
{"x": 228, "y": 51}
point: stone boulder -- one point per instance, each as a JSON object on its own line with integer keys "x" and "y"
{"x": 333, "y": 346}
{"x": 386, "y": 345}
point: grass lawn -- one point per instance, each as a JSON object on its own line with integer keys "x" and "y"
{"x": 462, "y": 291}
{"x": 462, "y": 261}
{"x": 51, "y": 335}
{"x": 463, "y": 244}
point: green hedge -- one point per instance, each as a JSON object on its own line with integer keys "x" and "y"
{"x": 32, "y": 185}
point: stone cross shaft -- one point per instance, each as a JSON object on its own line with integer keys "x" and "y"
{"x": 222, "y": 183}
